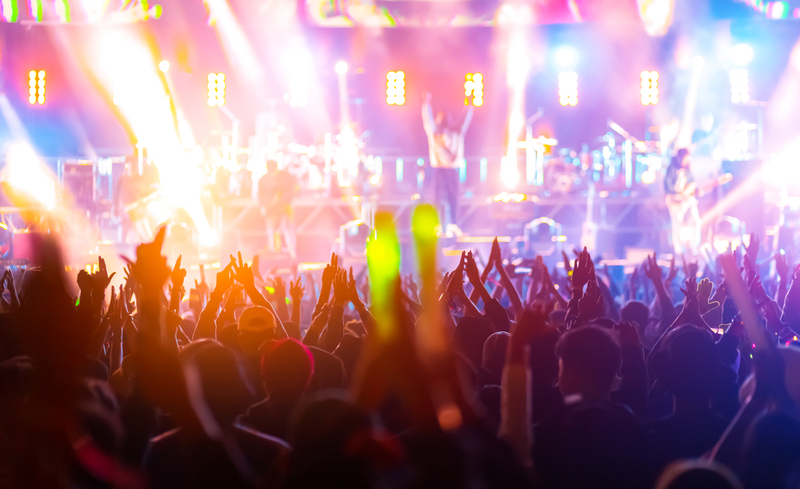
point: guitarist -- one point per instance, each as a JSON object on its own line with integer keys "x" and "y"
{"x": 681, "y": 202}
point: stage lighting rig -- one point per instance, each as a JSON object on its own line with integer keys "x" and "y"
{"x": 740, "y": 86}
{"x": 568, "y": 88}
{"x": 649, "y": 88}
{"x": 395, "y": 88}
{"x": 36, "y": 87}
{"x": 216, "y": 89}
{"x": 473, "y": 89}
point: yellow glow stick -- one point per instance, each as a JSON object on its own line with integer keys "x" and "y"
{"x": 383, "y": 260}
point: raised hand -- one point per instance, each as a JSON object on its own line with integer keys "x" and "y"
{"x": 651, "y": 269}
{"x": 590, "y": 305}
{"x": 224, "y": 282}
{"x": 413, "y": 288}
{"x": 101, "y": 278}
{"x": 352, "y": 289}
{"x": 242, "y": 272}
{"x": 782, "y": 266}
{"x": 330, "y": 271}
{"x": 150, "y": 269}
{"x": 531, "y": 324}
{"x": 495, "y": 255}
{"x": 280, "y": 288}
{"x": 178, "y": 274}
{"x": 340, "y": 288}
{"x": 567, "y": 264}
{"x": 672, "y": 273}
{"x": 471, "y": 268}
{"x": 704, "y": 289}
{"x": 583, "y": 270}
{"x": 296, "y": 290}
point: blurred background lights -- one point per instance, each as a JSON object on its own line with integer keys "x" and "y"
{"x": 741, "y": 54}
{"x": 216, "y": 89}
{"x": 341, "y": 67}
{"x": 649, "y": 87}
{"x": 473, "y": 89}
{"x": 36, "y": 87}
{"x": 395, "y": 88}
{"x": 163, "y": 66}
{"x": 740, "y": 86}
{"x": 568, "y": 88}
{"x": 566, "y": 57}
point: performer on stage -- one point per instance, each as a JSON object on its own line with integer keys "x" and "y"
{"x": 681, "y": 201}
{"x": 276, "y": 190}
{"x": 446, "y": 150}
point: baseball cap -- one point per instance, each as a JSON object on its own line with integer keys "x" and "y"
{"x": 256, "y": 319}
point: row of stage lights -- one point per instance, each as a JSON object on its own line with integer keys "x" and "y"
{"x": 36, "y": 81}
{"x": 473, "y": 84}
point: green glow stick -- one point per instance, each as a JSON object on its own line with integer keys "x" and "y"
{"x": 383, "y": 260}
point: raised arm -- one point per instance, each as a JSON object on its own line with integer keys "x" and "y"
{"x": 428, "y": 121}
{"x": 467, "y": 120}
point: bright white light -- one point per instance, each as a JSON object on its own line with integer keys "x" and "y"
{"x": 648, "y": 177}
{"x": 163, "y": 66}
{"x": 566, "y": 57}
{"x": 375, "y": 179}
{"x": 125, "y": 65}
{"x": 27, "y": 175}
{"x": 686, "y": 233}
{"x": 509, "y": 174}
{"x": 741, "y": 54}
{"x": 341, "y": 67}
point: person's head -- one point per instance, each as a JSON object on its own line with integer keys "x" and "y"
{"x": 682, "y": 159}
{"x": 272, "y": 165}
{"x": 635, "y": 312}
{"x": 286, "y": 370}
{"x": 214, "y": 379}
{"x": 494, "y": 352}
{"x": 687, "y": 364}
{"x": 470, "y": 335}
{"x": 588, "y": 360}
{"x": 255, "y": 326}
{"x": 697, "y": 474}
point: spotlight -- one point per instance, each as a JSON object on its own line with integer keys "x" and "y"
{"x": 566, "y": 57}
{"x": 216, "y": 89}
{"x": 473, "y": 89}
{"x": 163, "y": 66}
{"x": 740, "y": 86}
{"x": 649, "y": 87}
{"x": 395, "y": 88}
{"x": 341, "y": 67}
{"x": 741, "y": 54}
{"x": 568, "y": 88}
{"x": 36, "y": 87}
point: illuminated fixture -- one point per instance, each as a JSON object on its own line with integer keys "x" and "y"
{"x": 216, "y": 89}
{"x": 36, "y": 81}
{"x": 740, "y": 86}
{"x": 473, "y": 89}
{"x": 566, "y": 57}
{"x": 568, "y": 88}
{"x": 741, "y": 54}
{"x": 395, "y": 88}
{"x": 163, "y": 66}
{"x": 649, "y": 87}
{"x": 341, "y": 67}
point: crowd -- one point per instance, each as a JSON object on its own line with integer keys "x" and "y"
{"x": 488, "y": 378}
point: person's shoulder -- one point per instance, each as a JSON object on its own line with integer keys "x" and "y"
{"x": 170, "y": 436}
{"x": 252, "y": 437}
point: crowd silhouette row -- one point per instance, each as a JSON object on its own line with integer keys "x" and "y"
{"x": 677, "y": 377}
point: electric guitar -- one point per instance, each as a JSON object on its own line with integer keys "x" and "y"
{"x": 685, "y": 199}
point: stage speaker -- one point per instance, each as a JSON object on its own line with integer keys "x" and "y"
{"x": 743, "y": 197}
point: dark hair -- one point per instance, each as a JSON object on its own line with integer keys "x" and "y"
{"x": 470, "y": 335}
{"x": 677, "y": 159}
{"x": 286, "y": 368}
{"x": 687, "y": 363}
{"x": 636, "y": 312}
{"x": 592, "y": 352}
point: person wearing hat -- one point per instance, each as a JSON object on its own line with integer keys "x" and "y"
{"x": 256, "y": 326}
